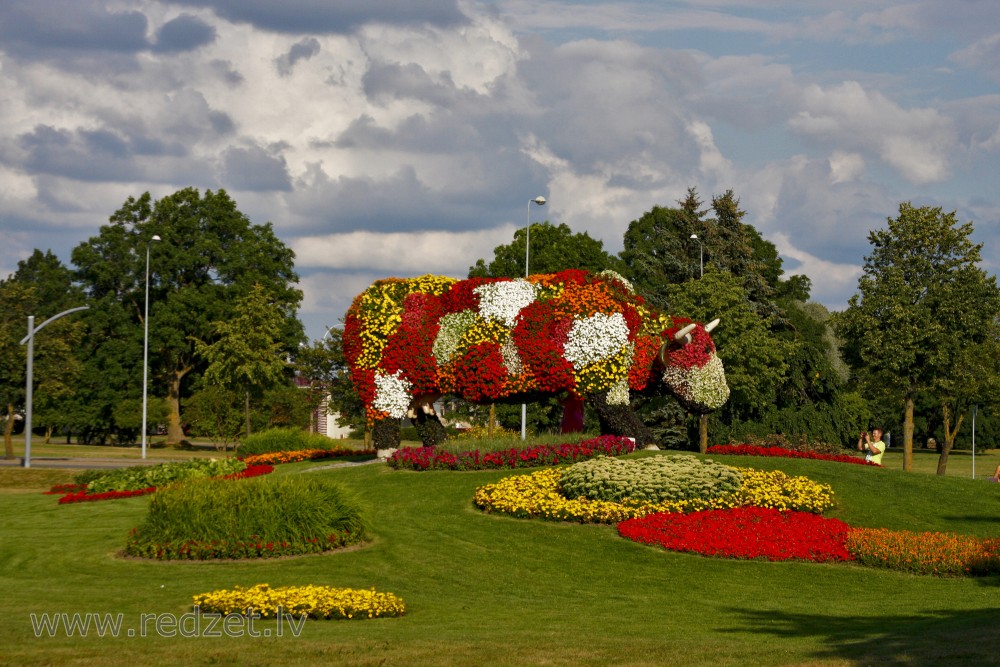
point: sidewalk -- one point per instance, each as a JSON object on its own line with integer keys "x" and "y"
{"x": 78, "y": 463}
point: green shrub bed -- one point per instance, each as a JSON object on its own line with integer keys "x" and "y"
{"x": 285, "y": 440}
{"x": 135, "y": 478}
{"x": 252, "y": 518}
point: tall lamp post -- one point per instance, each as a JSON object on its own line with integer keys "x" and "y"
{"x": 145, "y": 348}
{"x": 540, "y": 201}
{"x": 701, "y": 256}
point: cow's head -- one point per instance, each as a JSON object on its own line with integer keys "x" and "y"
{"x": 691, "y": 368}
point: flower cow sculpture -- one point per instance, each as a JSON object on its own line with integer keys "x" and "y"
{"x": 573, "y": 333}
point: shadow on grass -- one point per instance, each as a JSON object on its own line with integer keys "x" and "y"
{"x": 942, "y": 637}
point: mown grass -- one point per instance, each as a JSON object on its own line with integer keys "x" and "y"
{"x": 492, "y": 590}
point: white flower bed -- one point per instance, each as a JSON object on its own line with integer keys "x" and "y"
{"x": 503, "y": 301}
{"x": 594, "y": 338}
{"x": 452, "y": 327}
{"x": 392, "y": 394}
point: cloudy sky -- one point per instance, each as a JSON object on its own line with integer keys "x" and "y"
{"x": 401, "y": 137}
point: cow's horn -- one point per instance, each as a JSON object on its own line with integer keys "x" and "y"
{"x": 711, "y": 325}
{"x": 685, "y": 334}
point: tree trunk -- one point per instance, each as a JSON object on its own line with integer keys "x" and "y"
{"x": 493, "y": 419}
{"x": 908, "y": 435}
{"x": 48, "y": 435}
{"x": 8, "y": 430}
{"x": 949, "y": 438}
{"x": 175, "y": 432}
{"x": 703, "y": 433}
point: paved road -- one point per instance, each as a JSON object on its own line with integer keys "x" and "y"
{"x": 76, "y": 463}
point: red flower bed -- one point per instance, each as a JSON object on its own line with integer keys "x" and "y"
{"x": 753, "y": 450}
{"x": 744, "y": 532}
{"x": 432, "y": 458}
{"x": 82, "y": 496}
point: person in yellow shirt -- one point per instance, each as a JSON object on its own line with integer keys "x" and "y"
{"x": 996, "y": 475}
{"x": 871, "y": 444}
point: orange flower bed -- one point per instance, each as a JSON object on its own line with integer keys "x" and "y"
{"x": 925, "y": 553}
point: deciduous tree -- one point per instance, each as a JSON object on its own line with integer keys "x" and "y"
{"x": 210, "y": 255}
{"x": 924, "y": 304}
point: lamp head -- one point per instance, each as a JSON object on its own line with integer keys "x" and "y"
{"x": 694, "y": 236}
{"x": 156, "y": 237}
{"x": 539, "y": 200}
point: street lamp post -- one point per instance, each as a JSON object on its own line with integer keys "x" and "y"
{"x": 540, "y": 201}
{"x": 701, "y": 256}
{"x": 30, "y": 374}
{"x": 145, "y": 348}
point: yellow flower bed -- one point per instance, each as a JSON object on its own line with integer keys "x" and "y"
{"x": 312, "y": 601}
{"x": 537, "y": 495}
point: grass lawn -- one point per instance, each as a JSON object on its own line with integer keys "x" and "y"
{"x": 491, "y": 590}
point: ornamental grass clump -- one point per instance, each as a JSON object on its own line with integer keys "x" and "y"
{"x": 248, "y": 518}
{"x": 135, "y": 478}
{"x": 655, "y": 479}
{"x": 320, "y": 602}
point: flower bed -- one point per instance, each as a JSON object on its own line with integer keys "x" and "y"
{"x": 538, "y": 496}
{"x": 84, "y": 495}
{"x": 313, "y": 601}
{"x": 275, "y": 458}
{"x": 755, "y": 450}
{"x": 925, "y": 553}
{"x": 433, "y": 458}
{"x": 744, "y": 532}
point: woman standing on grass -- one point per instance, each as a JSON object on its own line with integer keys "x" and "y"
{"x": 871, "y": 444}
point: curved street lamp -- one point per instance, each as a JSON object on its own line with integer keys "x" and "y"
{"x": 540, "y": 201}
{"x": 30, "y": 372}
{"x": 145, "y": 347}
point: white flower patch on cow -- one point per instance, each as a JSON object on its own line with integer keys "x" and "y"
{"x": 511, "y": 358}
{"x": 705, "y": 386}
{"x": 392, "y": 394}
{"x": 452, "y": 327}
{"x": 708, "y": 384}
{"x": 618, "y": 394}
{"x": 594, "y": 338}
{"x": 504, "y": 300}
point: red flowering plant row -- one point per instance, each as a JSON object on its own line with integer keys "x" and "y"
{"x": 82, "y": 496}
{"x": 235, "y": 549}
{"x": 433, "y": 458}
{"x": 296, "y": 455}
{"x": 755, "y": 533}
{"x": 755, "y": 450}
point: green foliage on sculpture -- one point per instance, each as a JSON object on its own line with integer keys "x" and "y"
{"x": 487, "y": 340}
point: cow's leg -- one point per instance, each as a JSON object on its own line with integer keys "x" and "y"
{"x": 620, "y": 420}
{"x": 425, "y": 419}
{"x": 572, "y": 421}
{"x": 386, "y": 433}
